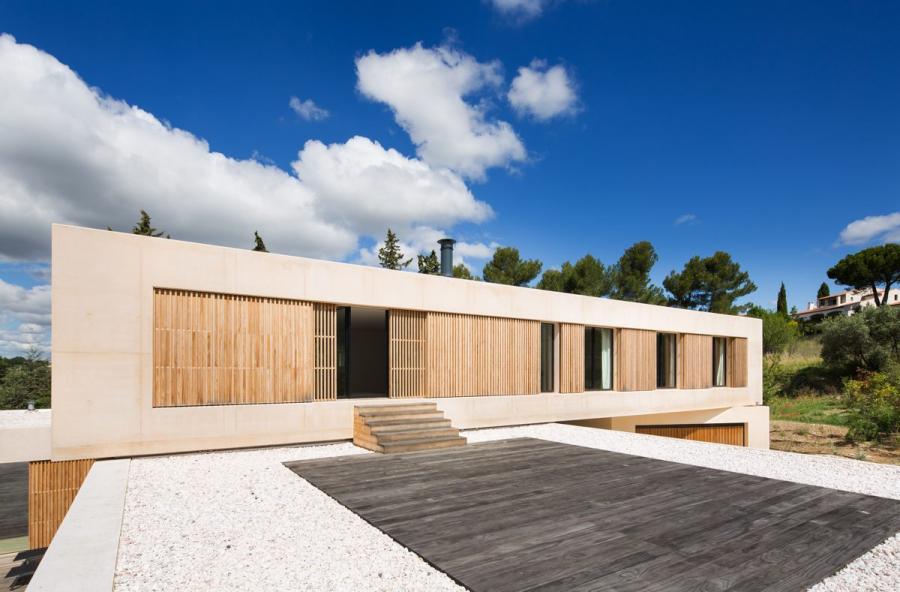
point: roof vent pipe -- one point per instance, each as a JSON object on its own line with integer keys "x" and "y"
{"x": 447, "y": 256}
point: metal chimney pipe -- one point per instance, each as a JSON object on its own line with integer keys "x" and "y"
{"x": 447, "y": 256}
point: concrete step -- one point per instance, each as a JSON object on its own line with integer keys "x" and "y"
{"x": 370, "y": 410}
{"x": 395, "y": 425}
{"x": 380, "y": 418}
{"x": 406, "y": 435}
{"x": 434, "y": 443}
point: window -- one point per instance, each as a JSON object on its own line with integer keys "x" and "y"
{"x": 343, "y": 349}
{"x": 720, "y": 346}
{"x": 666, "y": 356}
{"x": 598, "y": 357}
{"x": 546, "y": 358}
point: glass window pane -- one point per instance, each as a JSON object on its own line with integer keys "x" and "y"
{"x": 588, "y": 359}
{"x": 666, "y": 357}
{"x": 606, "y": 358}
{"x": 719, "y": 344}
{"x": 546, "y": 358}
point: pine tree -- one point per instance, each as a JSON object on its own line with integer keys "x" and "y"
{"x": 781, "y": 307}
{"x": 143, "y": 227}
{"x": 506, "y": 267}
{"x": 824, "y": 291}
{"x": 259, "y": 245}
{"x": 461, "y": 272}
{"x": 390, "y": 256}
{"x": 429, "y": 264}
{"x": 709, "y": 283}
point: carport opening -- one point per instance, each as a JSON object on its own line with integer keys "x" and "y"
{"x": 362, "y": 350}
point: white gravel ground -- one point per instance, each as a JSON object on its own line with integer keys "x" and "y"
{"x": 242, "y": 521}
{"x": 25, "y": 419}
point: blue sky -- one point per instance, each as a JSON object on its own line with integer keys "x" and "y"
{"x": 768, "y": 128}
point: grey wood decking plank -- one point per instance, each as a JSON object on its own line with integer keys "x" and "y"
{"x": 526, "y": 514}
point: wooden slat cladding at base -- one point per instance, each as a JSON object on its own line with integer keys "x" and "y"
{"x": 736, "y": 364}
{"x": 696, "y": 361}
{"x": 635, "y": 353}
{"x": 407, "y": 334}
{"x": 723, "y": 433}
{"x": 326, "y": 351}
{"x": 571, "y": 358}
{"x": 219, "y": 349}
{"x": 52, "y": 487}
{"x": 471, "y": 355}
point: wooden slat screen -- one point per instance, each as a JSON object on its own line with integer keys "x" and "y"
{"x": 472, "y": 355}
{"x": 635, "y": 354}
{"x": 571, "y": 358}
{"x": 696, "y": 361}
{"x": 52, "y": 486}
{"x": 733, "y": 433}
{"x": 326, "y": 351}
{"x": 736, "y": 363}
{"x": 407, "y": 330}
{"x": 218, "y": 349}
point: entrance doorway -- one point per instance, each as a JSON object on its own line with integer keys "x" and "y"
{"x": 362, "y": 352}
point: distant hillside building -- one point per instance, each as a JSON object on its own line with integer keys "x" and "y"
{"x": 843, "y": 303}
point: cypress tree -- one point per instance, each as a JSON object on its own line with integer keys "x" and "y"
{"x": 782, "y": 307}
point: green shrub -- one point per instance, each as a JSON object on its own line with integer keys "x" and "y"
{"x": 873, "y": 403}
{"x": 26, "y": 381}
{"x": 796, "y": 377}
{"x": 868, "y": 340}
{"x": 779, "y": 331}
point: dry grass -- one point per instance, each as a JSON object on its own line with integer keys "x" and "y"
{"x": 814, "y": 438}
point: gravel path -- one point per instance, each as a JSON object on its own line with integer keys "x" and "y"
{"x": 242, "y": 521}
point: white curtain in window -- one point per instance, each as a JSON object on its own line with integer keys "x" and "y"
{"x": 606, "y": 358}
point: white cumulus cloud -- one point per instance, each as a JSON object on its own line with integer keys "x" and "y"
{"x": 543, "y": 92}
{"x": 369, "y": 188}
{"x": 885, "y": 228}
{"x": 71, "y": 154}
{"x": 307, "y": 109}
{"x": 24, "y": 318}
{"x": 427, "y": 89}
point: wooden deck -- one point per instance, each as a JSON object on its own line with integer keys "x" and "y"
{"x": 528, "y": 514}
{"x": 13, "y": 500}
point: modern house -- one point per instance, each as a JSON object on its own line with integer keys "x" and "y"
{"x": 164, "y": 346}
{"x": 843, "y": 303}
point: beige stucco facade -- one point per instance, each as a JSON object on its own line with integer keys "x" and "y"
{"x": 102, "y": 303}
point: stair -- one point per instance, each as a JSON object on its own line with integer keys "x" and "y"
{"x": 406, "y": 427}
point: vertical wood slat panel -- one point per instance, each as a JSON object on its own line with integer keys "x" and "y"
{"x": 635, "y": 360}
{"x": 696, "y": 361}
{"x": 571, "y": 358}
{"x": 407, "y": 335}
{"x": 733, "y": 434}
{"x": 52, "y": 486}
{"x": 326, "y": 351}
{"x": 469, "y": 355}
{"x": 736, "y": 363}
{"x": 220, "y": 349}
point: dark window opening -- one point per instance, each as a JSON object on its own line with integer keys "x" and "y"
{"x": 666, "y": 357}
{"x": 720, "y": 360}
{"x": 598, "y": 359}
{"x": 546, "y": 358}
{"x": 362, "y": 352}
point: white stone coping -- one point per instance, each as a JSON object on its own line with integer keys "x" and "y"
{"x": 22, "y": 418}
{"x": 82, "y": 556}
